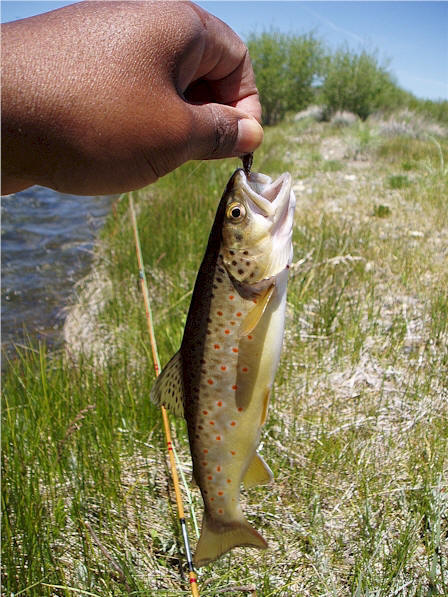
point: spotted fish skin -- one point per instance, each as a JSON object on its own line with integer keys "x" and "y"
{"x": 222, "y": 376}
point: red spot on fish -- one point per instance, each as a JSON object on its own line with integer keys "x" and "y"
{"x": 216, "y": 347}
{"x": 210, "y": 381}
{"x": 249, "y": 337}
{"x": 244, "y": 370}
{"x": 204, "y": 463}
{"x": 232, "y": 452}
{"x": 234, "y": 349}
{"x": 223, "y": 368}
{"x": 233, "y": 423}
{"x": 218, "y": 438}
{"x": 234, "y": 387}
{"x": 212, "y": 499}
{"x": 239, "y": 314}
{"x": 229, "y": 480}
{"x": 209, "y": 477}
{"x": 205, "y": 412}
{"x": 218, "y": 468}
{"x": 231, "y": 297}
{"x": 219, "y": 403}
{"x": 205, "y": 451}
{"x": 219, "y": 313}
{"x": 232, "y": 323}
{"x": 227, "y": 331}
{"x": 212, "y": 422}
{"x": 240, "y": 409}
{"x": 255, "y": 301}
{"x": 220, "y": 493}
{"x": 220, "y": 511}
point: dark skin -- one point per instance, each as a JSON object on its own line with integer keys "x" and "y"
{"x": 106, "y": 97}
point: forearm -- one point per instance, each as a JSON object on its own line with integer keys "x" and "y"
{"x": 23, "y": 135}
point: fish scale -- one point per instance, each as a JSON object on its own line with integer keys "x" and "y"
{"x": 221, "y": 378}
{"x": 219, "y": 419}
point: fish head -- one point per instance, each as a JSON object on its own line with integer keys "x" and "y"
{"x": 257, "y": 226}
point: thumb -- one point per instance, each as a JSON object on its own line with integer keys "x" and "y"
{"x": 220, "y": 131}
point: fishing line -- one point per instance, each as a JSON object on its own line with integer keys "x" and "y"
{"x": 166, "y": 424}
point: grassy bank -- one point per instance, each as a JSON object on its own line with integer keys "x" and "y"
{"x": 357, "y": 433}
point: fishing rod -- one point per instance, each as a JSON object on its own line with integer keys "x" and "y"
{"x": 166, "y": 423}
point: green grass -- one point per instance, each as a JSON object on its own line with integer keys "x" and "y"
{"x": 357, "y": 433}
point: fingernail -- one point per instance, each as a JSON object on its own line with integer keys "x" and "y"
{"x": 250, "y": 135}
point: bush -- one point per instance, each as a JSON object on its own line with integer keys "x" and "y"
{"x": 358, "y": 84}
{"x": 286, "y": 68}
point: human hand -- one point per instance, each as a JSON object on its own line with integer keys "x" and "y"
{"x": 105, "y": 97}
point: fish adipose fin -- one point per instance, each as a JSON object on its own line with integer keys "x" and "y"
{"x": 258, "y": 472}
{"x": 168, "y": 390}
{"x": 253, "y": 317}
{"x": 217, "y": 540}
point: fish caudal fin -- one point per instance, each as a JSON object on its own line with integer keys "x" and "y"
{"x": 168, "y": 389}
{"x": 258, "y": 472}
{"x": 216, "y": 540}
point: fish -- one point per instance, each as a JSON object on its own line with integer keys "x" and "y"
{"x": 221, "y": 378}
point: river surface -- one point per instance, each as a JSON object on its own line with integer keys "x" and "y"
{"x": 47, "y": 246}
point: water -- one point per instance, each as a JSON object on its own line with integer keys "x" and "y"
{"x": 47, "y": 244}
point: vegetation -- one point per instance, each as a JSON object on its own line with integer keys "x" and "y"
{"x": 294, "y": 72}
{"x": 357, "y": 432}
{"x": 286, "y": 68}
{"x": 358, "y": 84}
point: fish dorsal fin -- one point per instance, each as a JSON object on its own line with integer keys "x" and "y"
{"x": 258, "y": 472}
{"x": 168, "y": 390}
{"x": 253, "y": 317}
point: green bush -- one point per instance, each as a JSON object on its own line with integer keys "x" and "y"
{"x": 293, "y": 72}
{"x": 357, "y": 83}
{"x": 286, "y": 68}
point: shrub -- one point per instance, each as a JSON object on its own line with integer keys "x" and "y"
{"x": 357, "y": 83}
{"x": 286, "y": 68}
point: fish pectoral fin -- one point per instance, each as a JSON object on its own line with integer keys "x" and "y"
{"x": 258, "y": 472}
{"x": 168, "y": 390}
{"x": 253, "y": 317}
{"x": 216, "y": 540}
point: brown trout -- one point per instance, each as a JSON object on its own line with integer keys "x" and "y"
{"x": 221, "y": 378}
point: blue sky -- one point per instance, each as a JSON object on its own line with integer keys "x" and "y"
{"x": 412, "y": 36}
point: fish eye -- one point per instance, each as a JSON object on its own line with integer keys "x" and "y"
{"x": 236, "y": 212}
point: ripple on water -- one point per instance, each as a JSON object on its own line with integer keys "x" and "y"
{"x": 47, "y": 243}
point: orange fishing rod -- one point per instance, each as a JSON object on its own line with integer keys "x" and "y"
{"x": 166, "y": 424}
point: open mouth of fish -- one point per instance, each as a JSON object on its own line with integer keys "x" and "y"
{"x": 271, "y": 199}
{"x": 275, "y": 201}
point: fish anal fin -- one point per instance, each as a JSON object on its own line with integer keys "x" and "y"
{"x": 253, "y": 317}
{"x": 168, "y": 389}
{"x": 218, "y": 539}
{"x": 258, "y": 472}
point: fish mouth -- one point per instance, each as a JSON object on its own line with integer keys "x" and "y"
{"x": 272, "y": 199}
{"x": 275, "y": 201}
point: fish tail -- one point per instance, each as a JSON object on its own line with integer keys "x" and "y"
{"x": 216, "y": 540}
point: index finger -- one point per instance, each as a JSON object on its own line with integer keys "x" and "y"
{"x": 225, "y": 66}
